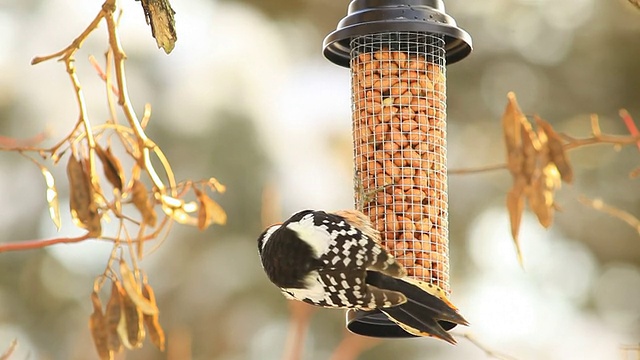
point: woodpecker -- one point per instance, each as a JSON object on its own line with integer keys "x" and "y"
{"x": 336, "y": 260}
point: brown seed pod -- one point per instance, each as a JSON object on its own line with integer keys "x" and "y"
{"x": 556, "y": 151}
{"x": 111, "y": 167}
{"x": 99, "y": 330}
{"x": 140, "y": 199}
{"x": 151, "y": 321}
{"x": 131, "y": 325}
{"x": 209, "y": 211}
{"x": 112, "y": 315}
{"x": 81, "y": 198}
{"x": 132, "y": 289}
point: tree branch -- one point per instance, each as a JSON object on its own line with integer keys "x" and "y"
{"x": 481, "y": 169}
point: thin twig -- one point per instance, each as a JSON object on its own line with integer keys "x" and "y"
{"x": 11, "y": 144}
{"x": 75, "y": 45}
{"x": 630, "y": 124}
{"x": 298, "y": 326}
{"x": 12, "y": 347}
{"x": 595, "y": 140}
{"x": 84, "y": 118}
{"x": 489, "y": 352}
{"x": 124, "y": 102}
{"x": 481, "y": 169}
{"x": 599, "y": 205}
{"x": 38, "y": 244}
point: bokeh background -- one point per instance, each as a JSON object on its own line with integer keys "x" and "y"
{"x": 247, "y": 97}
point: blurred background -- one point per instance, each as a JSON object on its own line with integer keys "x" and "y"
{"x": 247, "y": 97}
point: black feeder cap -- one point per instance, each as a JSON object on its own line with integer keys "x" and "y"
{"x": 366, "y": 17}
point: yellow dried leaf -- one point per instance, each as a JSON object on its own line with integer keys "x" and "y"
{"x": 541, "y": 195}
{"x": 131, "y": 325}
{"x": 515, "y": 207}
{"x": 52, "y": 196}
{"x": 151, "y": 321}
{"x": 210, "y": 212}
{"x": 511, "y": 125}
{"x": 84, "y": 211}
{"x": 556, "y": 151}
{"x": 98, "y": 329}
{"x": 132, "y": 289}
{"x": 530, "y": 150}
{"x": 113, "y": 314}
{"x": 140, "y": 199}
{"x": 111, "y": 167}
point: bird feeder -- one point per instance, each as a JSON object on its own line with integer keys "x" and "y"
{"x": 397, "y": 51}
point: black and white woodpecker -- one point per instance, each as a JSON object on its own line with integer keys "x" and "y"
{"x": 336, "y": 260}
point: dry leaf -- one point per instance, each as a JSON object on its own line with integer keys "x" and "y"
{"x": 530, "y": 149}
{"x": 515, "y": 206}
{"x": 132, "y": 289}
{"x": 151, "y": 321}
{"x": 84, "y": 211}
{"x": 541, "y": 196}
{"x": 511, "y": 125}
{"x": 556, "y": 151}
{"x": 159, "y": 15}
{"x": 111, "y": 167}
{"x": 210, "y": 212}
{"x": 131, "y": 326}
{"x": 52, "y": 197}
{"x": 98, "y": 328}
{"x": 113, "y": 314}
{"x": 142, "y": 202}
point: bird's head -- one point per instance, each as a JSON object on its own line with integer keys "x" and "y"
{"x": 266, "y": 235}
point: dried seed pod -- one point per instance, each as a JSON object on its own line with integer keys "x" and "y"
{"x": 131, "y": 326}
{"x": 99, "y": 330}
{"x": 113, "y": 314}
{"x": 140, "y": 199}
{"x": 556, "y": 151}
{"x": 52, "y": 196}
{"x": 111, "y": 167}
{"x": 151, "y": 321}
{"x": 209, "y": 211}
{"x": 132, "y": 289}
{"x": 81, "y": 199}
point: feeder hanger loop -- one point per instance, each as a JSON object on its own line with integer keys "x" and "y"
{"x": 377, "y": 16}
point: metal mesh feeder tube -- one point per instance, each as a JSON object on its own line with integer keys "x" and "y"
{"x": 398, "y": 87}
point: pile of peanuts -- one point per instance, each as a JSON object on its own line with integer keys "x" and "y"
{"x": 399, "y": 133}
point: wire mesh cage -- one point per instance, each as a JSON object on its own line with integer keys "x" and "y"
{"x": 399, "y": 131}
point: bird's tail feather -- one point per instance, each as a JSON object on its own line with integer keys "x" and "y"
{"x": 427, "y": 311}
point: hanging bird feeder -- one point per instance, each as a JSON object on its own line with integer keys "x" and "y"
{"x": 397, "y": 51}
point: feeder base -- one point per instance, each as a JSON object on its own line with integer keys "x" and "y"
{"x": 376, "y": 324}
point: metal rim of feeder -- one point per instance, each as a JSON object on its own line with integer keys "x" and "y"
{"x": 425, "y": 34}
{"x": 371, "y": 16}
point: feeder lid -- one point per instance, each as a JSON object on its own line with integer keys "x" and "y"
{"x": 366, "y": 17}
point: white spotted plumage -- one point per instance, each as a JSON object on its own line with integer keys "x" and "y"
{"x": 336, "y": 260}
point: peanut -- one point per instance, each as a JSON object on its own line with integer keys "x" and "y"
{"x": 400, "y": 156}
